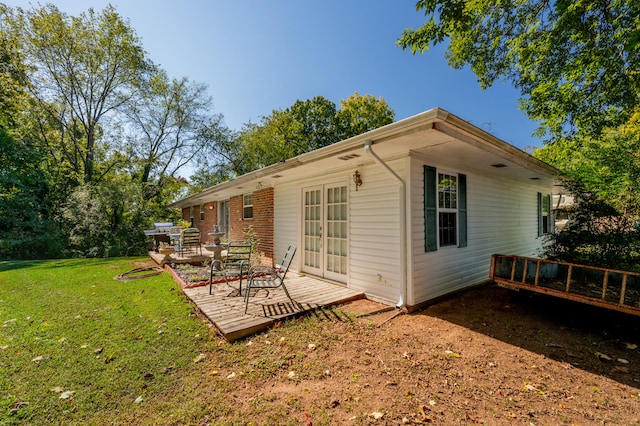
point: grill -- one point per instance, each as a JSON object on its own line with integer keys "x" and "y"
{"x": 160, "y": 233}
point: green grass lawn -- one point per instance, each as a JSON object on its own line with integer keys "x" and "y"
{"x": 78, "y": 347}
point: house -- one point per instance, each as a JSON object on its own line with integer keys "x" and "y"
{"x": 405, "y": 213}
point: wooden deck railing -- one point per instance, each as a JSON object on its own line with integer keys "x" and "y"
{"x": 604, "y": 287}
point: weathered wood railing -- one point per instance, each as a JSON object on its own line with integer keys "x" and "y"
{"x": 604, "y": 287}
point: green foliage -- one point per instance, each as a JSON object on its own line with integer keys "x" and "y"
{"x": 108, "y": 219}
{"x": 25, "y": 230}
{"x": 608, "y": 167}
{"x": 575, "y": 62}
{"x": 305, "y": 126}
{"x": 596, "y": 234}
{"x": 360, "y": 114}
{"x": 93, "y": 134}
{"x": 603, "y": 175}
{"x": 83, "y": 68}
{"x": 169, "y": 126}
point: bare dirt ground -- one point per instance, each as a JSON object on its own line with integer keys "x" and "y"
{"x": 485, "y": 356}
{"x": 492, "y": 356}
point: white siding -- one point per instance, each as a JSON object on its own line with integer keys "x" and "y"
{"x": 375, "y": 264}
{"x": 374, "y": 227}
{"x": 502, "y": 218}
{"x": 286, "y": 222}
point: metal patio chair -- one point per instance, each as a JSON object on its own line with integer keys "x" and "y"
{"x": 190, "y": 237}
{"x": 236, "y": 264}
{"x": 264, "y": 277}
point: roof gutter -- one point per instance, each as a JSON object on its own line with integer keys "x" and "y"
{"x": 403, "y": 223}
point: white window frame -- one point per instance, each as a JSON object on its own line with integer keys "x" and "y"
{"x": 447, "y": 209}
{"x": 247, "y": 205}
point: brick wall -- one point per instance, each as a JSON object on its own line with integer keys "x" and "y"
{"x": 206, "y": 224}
{"x": 262, "y": 222}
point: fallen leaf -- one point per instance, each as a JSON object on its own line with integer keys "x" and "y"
{"x": 67, "y": 394}
{"x": 603, "y": 357}
{"x": 4, "y": 347}
{"x": 630, "y": 345}
{"x": 19, "y": 404}
{"x": 291, "y": 374}
{"x": 311, "y": 346}
{"x": 622, "y": 361}
{"x": 98, "y": 351}
{"x": 138, "y": 400}
{"x": 377, "y": 415}
{"x": 199, "y": 358}
{"x": 530, "y": 387}
{"x": 38, "y": 358}
{"x": 620, "y": 369}
{"x": 85, "y": 346}
{"x": 62, "y": 340}
{"x": 231, "y": 376}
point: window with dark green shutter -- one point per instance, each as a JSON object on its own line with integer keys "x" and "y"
{"x": 445, "y": 209}
{"x": 545, "y": 222}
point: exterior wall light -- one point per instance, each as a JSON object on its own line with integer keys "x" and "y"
{"x": 357, "y": 179}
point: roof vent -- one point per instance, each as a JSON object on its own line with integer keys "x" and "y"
{"x": 535, "y": 178}
{"x": 349, "y": 157}
{"x": 276, "y": 176}
{"x": 499, "y": 165}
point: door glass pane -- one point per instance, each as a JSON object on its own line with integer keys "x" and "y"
{"x": 336, "y": 256}
{"x": 312, "y": 228}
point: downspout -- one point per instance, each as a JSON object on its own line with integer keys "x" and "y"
{"x": 403, "y": 223}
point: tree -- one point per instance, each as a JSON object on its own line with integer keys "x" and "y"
{"x": 169, "y": 126}
{"x": 82, "y": 70}
{"x": 575, "y": 62}
{"x": 359, "y": 114}
{"x": 25, "y": 226}
{"x": 317, "y": 118}
{"x": 607, "y": 166}
{"x": 278, "y": 137}
{"x": 603, "y": 175}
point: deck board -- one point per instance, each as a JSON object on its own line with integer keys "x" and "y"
{"x": 226, "y": 310}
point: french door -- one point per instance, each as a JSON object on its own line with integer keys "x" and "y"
{"x": 325, "y": 231}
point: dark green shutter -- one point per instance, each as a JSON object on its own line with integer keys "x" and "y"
{"x": 462, "y": 210}
{"x": 430, "y": 211}
{"x": 539, "y": 214}
{"x": 550, "y": 213}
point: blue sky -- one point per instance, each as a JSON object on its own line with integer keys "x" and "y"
{"x": 257, "y": 55}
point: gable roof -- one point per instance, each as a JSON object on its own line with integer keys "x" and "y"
{"x": 435, "y": 132}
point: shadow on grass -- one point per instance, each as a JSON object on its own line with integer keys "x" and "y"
{"x": 593, "y": 339}
{"x": 9, "y": 265}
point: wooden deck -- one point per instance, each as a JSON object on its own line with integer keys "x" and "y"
{"x": 225, "y": 309}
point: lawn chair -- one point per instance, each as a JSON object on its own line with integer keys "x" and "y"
{"x": 236, "y": 264}
{"x": 190, "y": 237}
{"x": 263, "y": 277}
